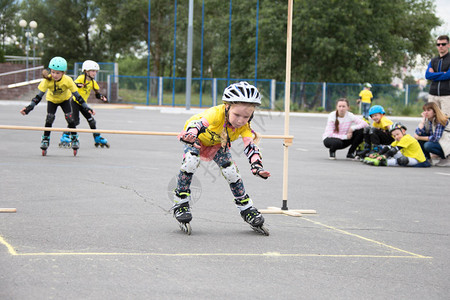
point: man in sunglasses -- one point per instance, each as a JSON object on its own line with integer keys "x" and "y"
{"x": 440, "y": 78}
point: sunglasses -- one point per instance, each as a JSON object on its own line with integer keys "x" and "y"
{"x": 441, "y": 44}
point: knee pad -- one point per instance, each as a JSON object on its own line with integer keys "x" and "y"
{"x": 92, "y": 123}
{"x": 402, "y": 161}
{"x": 50, "y": 118}
{"x": 190, "y": 162}
{"x": 69, "y": 119}
{"x": 230, "y": 172}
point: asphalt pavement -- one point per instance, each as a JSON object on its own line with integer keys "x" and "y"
{"x": 98, "y": 225}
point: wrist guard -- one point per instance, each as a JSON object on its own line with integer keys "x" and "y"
{"x": 251, "y": 150}
{"x": 196, "y": 125}
{"x": 85, "y": 106}
{"x": 257, "y": 168}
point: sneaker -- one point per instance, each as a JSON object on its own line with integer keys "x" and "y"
{"x": 443, "y": 163}
{"x": 332, "y": 155}
{"x": 350, "y": 156}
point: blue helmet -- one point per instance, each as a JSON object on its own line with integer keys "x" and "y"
{"x": 376, "y": 109}
{"x": 58, "y": 63}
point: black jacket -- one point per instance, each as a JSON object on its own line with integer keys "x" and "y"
{"x": 440, "y": 88}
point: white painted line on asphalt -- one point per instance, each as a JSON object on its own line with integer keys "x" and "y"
{"x": 445, "y": 174}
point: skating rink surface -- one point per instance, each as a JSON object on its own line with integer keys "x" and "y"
{"x": 98, "y": 226}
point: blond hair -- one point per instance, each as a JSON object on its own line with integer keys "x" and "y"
{"x": 439, "y": 116}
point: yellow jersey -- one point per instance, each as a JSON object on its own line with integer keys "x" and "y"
{"x": 383, "y": 124}
{"x": 366, "y": 96}
{"x": 58, "y": 91}
{"x": 411, "y": 148}
{"x": 216, "y": 119}
{"x": 85, "y": 91}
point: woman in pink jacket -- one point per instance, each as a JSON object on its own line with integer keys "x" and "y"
{"x": 343, "y": 129}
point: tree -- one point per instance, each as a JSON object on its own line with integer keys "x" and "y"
{"x": 8, "y": 11}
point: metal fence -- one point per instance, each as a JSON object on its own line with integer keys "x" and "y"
{"x": 305, "y": 96}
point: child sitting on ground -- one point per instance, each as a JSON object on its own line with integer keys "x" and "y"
{"x": 404, "y": 151}
{"x": 378, "y": 134}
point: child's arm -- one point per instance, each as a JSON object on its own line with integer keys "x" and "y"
{"x": 83, "y": 103}
{"x": 35, "y": 101}
{"x": 253, "y": 154}
{"x": 193, "y": 129}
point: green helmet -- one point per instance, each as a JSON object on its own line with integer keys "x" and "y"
{"x": 58, "y": 63}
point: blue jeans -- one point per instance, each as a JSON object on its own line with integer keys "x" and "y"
{"x": 365, "y": 109}
{"x": 432, "y": 147}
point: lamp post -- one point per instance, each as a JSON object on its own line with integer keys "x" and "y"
{"x": 28, "y": 34}
{"x": 36, "y": 40}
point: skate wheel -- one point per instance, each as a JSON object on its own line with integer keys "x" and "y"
{"x": 261, "y": 229}
{"x": 75, "y": 151}
{"x": 107, "y": 145}
{"x": 186, "y": 228}
{"x": 96, "y": 145}
{"x": 44, "y": 152}
{"x": 102, "y": 146}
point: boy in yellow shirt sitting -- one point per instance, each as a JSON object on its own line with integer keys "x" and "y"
{"x": 404, "y": 151}
{"x": 378, "y": 134}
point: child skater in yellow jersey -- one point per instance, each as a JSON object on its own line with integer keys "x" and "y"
{"x": 60, "y": 89}
{"x": 378, "y": 134}
{"x": 365, "y": 98}
{"x": 404, "y": 151}
{"x": 208, "y": 136}
{"x": 86, "y": 83}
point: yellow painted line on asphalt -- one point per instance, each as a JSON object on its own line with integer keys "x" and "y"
{"x": 8, "y": 246}
{"x": 366, "y": 239}
{"x": 410, "y": 255}
{"x": 269, "y": 254}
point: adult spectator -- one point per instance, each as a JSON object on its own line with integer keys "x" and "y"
{"x": 429, "y": 133}
{"x": 343, "y": 129}
{"x": 440, "y": 78}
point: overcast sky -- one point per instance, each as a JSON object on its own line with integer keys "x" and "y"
{"x": 443, "y": 12}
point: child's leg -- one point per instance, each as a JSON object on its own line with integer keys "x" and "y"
{"x": 191, "y": 161}
{"x": 50, "y": 118}
{"x": 76, "y": 112}
{"x": 67, "y": 109}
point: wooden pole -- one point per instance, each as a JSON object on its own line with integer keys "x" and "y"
{"x": 287, "y": 104}
{"x": 8, "y": 210}
{"x": 287, "y": 139}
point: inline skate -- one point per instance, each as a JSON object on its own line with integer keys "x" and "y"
{"x": 255, "y": 219}
{"x": 101, "y": 141}
{"x": 65, "y": 141}
{"x": 75, "y": 144}
{"x": 182, "y": 213}
{"x": 45, "y": 142}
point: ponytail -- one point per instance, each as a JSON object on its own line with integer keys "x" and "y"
{"x": 45, "y": 75}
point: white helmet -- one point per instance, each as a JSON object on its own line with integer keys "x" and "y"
{"x": 242, "y": 92}
{"x": 367, "y": 85}
{"x": 90, "y": 65}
